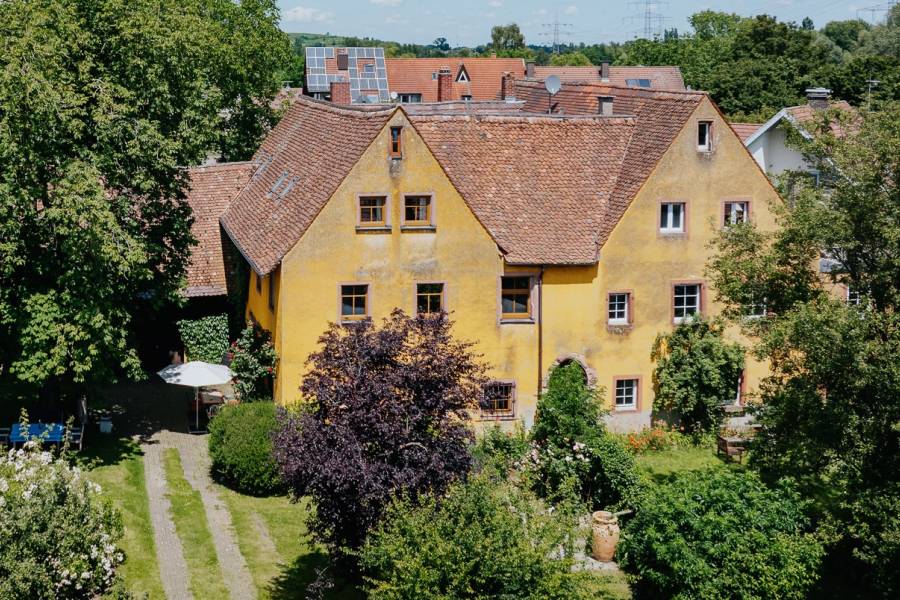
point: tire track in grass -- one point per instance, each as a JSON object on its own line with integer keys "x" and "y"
{"x": 189, "y": 516}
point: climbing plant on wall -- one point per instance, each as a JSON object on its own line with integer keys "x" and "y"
{"x": 205, "y": 339}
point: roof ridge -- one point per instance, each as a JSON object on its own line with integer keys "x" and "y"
{"x": 354, "y": 110}
{"x": 535, "y": 82}
{"x": 223, "y": 166}
{"x": 501, "y": 117}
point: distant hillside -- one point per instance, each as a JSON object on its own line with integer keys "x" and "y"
{"x": 326, "y": 39}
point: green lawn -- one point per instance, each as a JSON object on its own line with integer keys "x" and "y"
{"x": 660, "y": 466}
{"x": 117, "y": 466}
{"x": 283, "y": 565}
{"x": 193, "y": 531}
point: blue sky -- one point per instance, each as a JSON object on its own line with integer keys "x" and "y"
{"x": 468, "y": 22}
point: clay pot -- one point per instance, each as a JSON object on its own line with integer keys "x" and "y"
{"x": 604, "y": 535}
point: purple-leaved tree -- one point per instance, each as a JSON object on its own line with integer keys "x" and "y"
{"x": 385, "y": 411}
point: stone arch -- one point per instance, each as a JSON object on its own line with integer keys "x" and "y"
{"x": 590, "y": 375}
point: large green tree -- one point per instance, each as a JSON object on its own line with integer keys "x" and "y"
{"x": 102, "y": 104}
{"x": 831, "y": 408}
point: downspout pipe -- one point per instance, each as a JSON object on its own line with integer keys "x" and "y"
{"x": 540, "y": 332}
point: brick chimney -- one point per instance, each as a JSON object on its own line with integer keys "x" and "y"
{"x": 604, "y": 71}
{"x": 445, "y": 85}
{"x": 508, "y": 86}
{"x": 529, "y": 69}
{"x": 818, "y": 97}
{"x": 340, "y": 92}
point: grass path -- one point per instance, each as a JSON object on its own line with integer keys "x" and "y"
{"x": 190, "y": 522}
{"x": 660, "y": 466}
{"x": 122, "y": 482}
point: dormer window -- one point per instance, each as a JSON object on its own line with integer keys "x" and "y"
{"x": 704, "y": 136}
{"x": 396, "y": 142}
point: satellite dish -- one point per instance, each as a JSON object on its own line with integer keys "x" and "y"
{"x": 393, "y": 95}
{"x": 552, "y": 84}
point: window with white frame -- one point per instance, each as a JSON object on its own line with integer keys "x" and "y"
{"x": 409, "y": 98}
{"x": 755, "y": 310}
{"x": 617, "y": 308}
{"x": 626, "y": 394}
{"x": 704, "y": 136}
{"x": 853, "y": 297}
{"x": 736, "y": 212}
{"x": 686, "y": 301}
{"x": 671, "y": 217}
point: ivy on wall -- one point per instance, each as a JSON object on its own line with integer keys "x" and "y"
{"x": 205, "y": 339}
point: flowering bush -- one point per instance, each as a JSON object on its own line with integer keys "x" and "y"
{"x": 57, "y": 537}
{"x": 253, "y": 362}
{"x": 654, "y": 439}
{"x": 573, "y": 452}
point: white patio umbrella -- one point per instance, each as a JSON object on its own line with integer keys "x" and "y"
{"x": 196, "y": 374}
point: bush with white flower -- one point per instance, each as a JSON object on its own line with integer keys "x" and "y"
{"x": 57, "y": 535}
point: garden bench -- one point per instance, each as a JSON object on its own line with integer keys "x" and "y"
{"x": 731, "y": 447}
{"x": 51, "y": 433}
{"x": 76, "y": 434}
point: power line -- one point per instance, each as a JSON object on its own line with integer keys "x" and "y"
{"x": 648, "y": 11}
{"x": 555, "y": 30}
{"x": 883, "y": 8}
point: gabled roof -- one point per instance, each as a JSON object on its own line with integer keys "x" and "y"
{"x": 540, "y": 185}
{"x": 301, "y": 163}
{"x": 417, "y": 76}
{"x": 745, "y": 130}
{"x": 661, "y": 78}
{"x": 210, "y": 191}
{"x": 548, "y": 189}
{"x": 798, "y": 116}
{"x": 660, "y": 117}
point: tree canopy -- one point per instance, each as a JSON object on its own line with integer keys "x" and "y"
{"x": 102, "y": 104}
{"x": 830, "y": 411}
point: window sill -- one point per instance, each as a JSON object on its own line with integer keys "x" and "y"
{"x": 346, "y": 322}
{"x": 375, "y": 229}
{"x": 625, "y": 409}
{"x": 513, "y": 321}
{"x": 504, "y": 416}
{"x": 672, "y": 234}
{"x": 619, "y": 328}
{"x": 423, "y": 228}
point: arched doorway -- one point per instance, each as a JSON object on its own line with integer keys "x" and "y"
{"x": 590, "y": 376}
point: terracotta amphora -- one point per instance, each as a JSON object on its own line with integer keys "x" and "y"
{"x": 605, "y": 535}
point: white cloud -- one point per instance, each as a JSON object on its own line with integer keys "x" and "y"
{"x": 387, "y": 2}
{"x": 301, "y": 14}
{"x": 495, "y": 3}
{"x": 571, "y": 9}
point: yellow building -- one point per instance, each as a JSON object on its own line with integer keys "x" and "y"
{"x": 548, "y": 238}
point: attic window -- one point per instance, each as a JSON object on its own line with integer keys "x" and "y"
{"x": 396, "y": 142}
{"x": 644, "y": 83}
{"x": 605, "y": 105}
{"x": 342, "y": 62}
{"x": 704, "y": 136}
{"x": 462, "y": 76}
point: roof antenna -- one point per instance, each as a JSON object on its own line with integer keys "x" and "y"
{"x": 552, "y": 84}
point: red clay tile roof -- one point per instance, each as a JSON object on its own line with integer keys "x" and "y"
{"x": 210, "y": 191}
{"x": 660, "y": 116}
{"x": 539, "y": 184}
{"x": 805, "y": 113}
{"x": 548, "y": 189}
{"x": 301, "y": 163}
{"x": 416, "y": 76}
{"x": 745, "y": 130}
{"x": 661, "y": 78}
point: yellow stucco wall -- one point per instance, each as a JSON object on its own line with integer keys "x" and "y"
{"x": 636, "y": 258}
{"x": 258, "y": 305}
{"x": 461, "y": 254}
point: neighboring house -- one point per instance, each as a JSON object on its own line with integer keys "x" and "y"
{"x": 656, "y": 78}
{"x": 548, "y": 239}
{"x": 374, "y": 78}
{"x": 768, "y": 142}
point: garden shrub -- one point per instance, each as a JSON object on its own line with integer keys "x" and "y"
{"x": 720, "y": 534}
{"x": 573, "y": 451}
{"x": 501, "y": 449}
{"x": 253, "y": 362}
{"x": 240, "y": 446}
{"x": 484, "y": 539}
{"x": 657, "y": 438}
{"x": 205, "y": 339}
{"x": 58, "y": 535}
{"x": 696, "y": 374}
{"x": 386, "y": 411}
